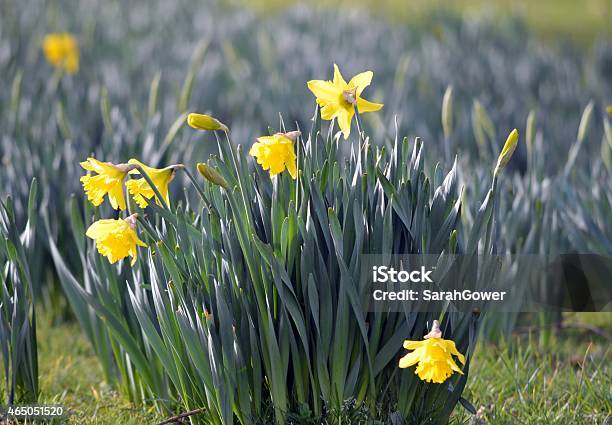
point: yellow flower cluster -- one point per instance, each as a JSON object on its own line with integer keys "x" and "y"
{"x": 62, "y": 51}
{"x": 338, "y": 100}
{"x": 116, "y": 239}
{"x": 434, "y": 356}
{"x": 109, "y": 181}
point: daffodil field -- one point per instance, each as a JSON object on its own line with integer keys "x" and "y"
{"x": 196, "y": 185}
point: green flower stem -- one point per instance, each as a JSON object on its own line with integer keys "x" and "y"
{"x": 197, "y": 186}
{"x": 128, "y": 205}
{"x": 359, "y": 126}
{"x": 238, "y": 174}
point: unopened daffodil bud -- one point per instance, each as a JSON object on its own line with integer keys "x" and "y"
{"x": 507, "y": 151}
{"x": 212, "y": 175}
{"x": 205, "y": 122}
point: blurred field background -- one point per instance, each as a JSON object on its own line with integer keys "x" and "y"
{"x": 146, "y": 64}
{"x": 580, "y": 21}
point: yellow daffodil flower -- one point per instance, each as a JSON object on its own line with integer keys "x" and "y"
{"x": 116, "y": 239}
{"x": 108, "y": 181}
{"x": 434, "y": 356}
{"x": 62, "y": 51}
{"x": 161, "y": 178}
{"x": 275, "y": 153}
{"x": 338, "y": 99}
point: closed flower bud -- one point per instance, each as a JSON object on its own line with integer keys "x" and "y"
{"x": 531, "y": 130}
{"x": 507, "y": 151}
{"x": 447, "y": 112}
{"x": 211, "y": 175}
{"x": 205, "y": 122}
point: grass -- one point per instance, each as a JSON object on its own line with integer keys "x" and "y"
{"x": 567, "y": 381}
{"x": 580, "y": 21}
{"x": 70, "y": 375}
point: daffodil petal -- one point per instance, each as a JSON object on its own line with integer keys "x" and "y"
{"x": 367, "y": 106}
{"x": 344, "y": 121}
{"x": 361, "y": 81}
{"x": 292, "y": 168}
{"x": 324, "y": 91}
{"x": 338, "y": 79}
{"x": 116, "y": 198}
{"x": 453, "y": 350}
{"x": 409, "y": 359}
{"x": 100, "y": 228}
{"x": 329, "y": 111}
{"x": 412, "y": 345}
{"x": 454, "y": 366}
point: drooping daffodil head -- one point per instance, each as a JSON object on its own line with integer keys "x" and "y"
{"x": 105, "y": 179}
{"x": 433, "y": 356}
{"x": 276, "y": 153}
{"x": 116, "y": 239}
{"x": 140, "y": 189}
